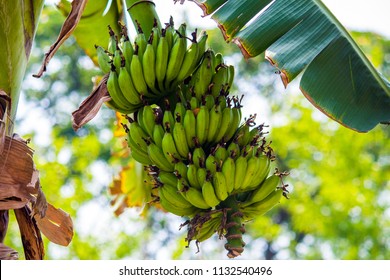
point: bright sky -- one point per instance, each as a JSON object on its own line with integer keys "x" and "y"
{"x": 362, "y": 15}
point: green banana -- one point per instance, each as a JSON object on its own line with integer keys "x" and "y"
{"x": 128, "y": 51}
{"x": 158, "y": 134}
{"x": 211, "y": 163}
{"x": 235, "y": 121}
{"x": 227, "y": 117}
{"x": 169, "y": 207}
{"x": 157, "y": 156}
{"x": 162, "y": 55}
{"x": 209, "y": 101}
{"x": 182, "y": 185}
{"x": 112, "y": 41}
{"x": 127, "y": 87}
{"x": 168, "y": 119}
{"x": 264, "y": 190}
{"x": 201, "y": 174}
{"x": 199, "y": 157}
{"x": 117, "y": 59}
{"x": 190, "y": 60}
{"x": 229, "y": 170}
{"x": 218, "y": 59}
{"x": 170, "y": 30}
{"x": 140, "y": 156}
{"x": 180, "y": 111}
{"x": 233, "y": 150}
{"x": 189, "y": 123}
{"x": 202, "y": 124}
{"x": 215, "y": 123}
{"x": 202, "y": 77}
{"x": 139, "y": 116}
{"x": 209, "y": 195}
{"x": 103, "y": 59}
{"x": 202, "y": 40}
{"x": 194, "y": 103}
{"x": 240, "y": 171}
{"x": 171, "y": 194}
{"x": 137, "y": 74}
{"x": 192, "y": 176}
{"x": 208, "y": 229}
{"x": 195, "y": 197}
{"x": 253, "y": 164}
{"x": 242, "y": 135}
{"x": 167, "y": 178}
{"x": 223, "y": 101}
{"x": 221, "y": 153}
{"x": 140, "y": 41}
{"x": 149, "y": 120}
{"x": 230, "y": 75}
{"x": 262, "y": 171}
{"x": 156, "y": 35}
{"x": 220, "y": 81}
{"x": 112, "y": 105}
{"x": 176, "y": 57}
{"x": 181, "y": 170}
{"x": 260, "y": 208}
{"x": 179, "y": 135}
{"x": 148, "y": 65}
{"x": 116, "y": 93}
{"x": 138, "y": 135}
{"x": 220, "y": 186}
{"x": 169, "y": 147}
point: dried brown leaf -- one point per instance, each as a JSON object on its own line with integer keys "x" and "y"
{"x": 31, "y": 236}
{"x": 91, "y": 105}
{"x": 68, "y": 27}
{"x": 18, "y": 177}
{"x": 40, "y": 205}
{"x": 7, "y": 253}
{"x": 4, "y": 220}
{"x": 57, "y": 226}
{"x": 16, "y": 162}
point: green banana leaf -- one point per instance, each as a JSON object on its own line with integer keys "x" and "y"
{"x": 18, "y": 23}
{"x": 303, "y": 37}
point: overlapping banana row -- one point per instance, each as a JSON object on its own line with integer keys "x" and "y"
{"x": 166, "y": 137}
{"x": 150, "y": 68}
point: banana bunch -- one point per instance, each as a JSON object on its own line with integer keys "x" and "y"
{"x": 150, "y": 68}
{"x": 206, "y": 163}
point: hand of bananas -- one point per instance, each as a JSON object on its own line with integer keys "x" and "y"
{"x": 207, "y": 164}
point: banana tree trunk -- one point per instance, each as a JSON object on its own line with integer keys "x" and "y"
{"x": 18, "y": 25}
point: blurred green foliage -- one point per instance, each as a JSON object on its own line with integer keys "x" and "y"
{"x": 339, "y": 179}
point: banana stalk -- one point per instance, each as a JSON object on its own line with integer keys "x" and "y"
{"x": 234, "y": 228}
{"x": 144, "y": 13}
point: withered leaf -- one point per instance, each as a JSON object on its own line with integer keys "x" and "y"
{"x": 18, "y": 179}
{"x": 7, "y": 253}
{"x": 57, "y": 225}
{"x": 91, "y": 105}
{"x": 68, "y": 27}
{"x": 31, "y": 236}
